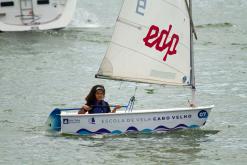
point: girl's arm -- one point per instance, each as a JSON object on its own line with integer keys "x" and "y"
{"x": 116, "y": 108}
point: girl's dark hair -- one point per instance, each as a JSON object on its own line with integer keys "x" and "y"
{"x": 91, "y": 98}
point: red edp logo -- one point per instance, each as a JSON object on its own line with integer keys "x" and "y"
{"x": 161, "y": 40}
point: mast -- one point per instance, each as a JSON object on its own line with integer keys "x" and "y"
{"x": 193, "y": 83}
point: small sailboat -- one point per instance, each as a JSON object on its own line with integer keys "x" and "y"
{"x": 27, "y": 15}
{"x": 151, "y": 43}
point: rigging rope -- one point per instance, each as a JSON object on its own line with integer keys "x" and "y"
{"x": 131, "y": 101}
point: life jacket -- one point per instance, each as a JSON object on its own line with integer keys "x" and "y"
{"x": 100, "y": 107}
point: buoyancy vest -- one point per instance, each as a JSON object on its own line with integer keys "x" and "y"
{"x": 100, "y": 107}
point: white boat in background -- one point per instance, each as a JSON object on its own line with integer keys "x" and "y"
{"x": 26, "y": 15}
{"x": 152, "y": 43}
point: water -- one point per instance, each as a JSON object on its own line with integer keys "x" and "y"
{"x": 43, "y": 70}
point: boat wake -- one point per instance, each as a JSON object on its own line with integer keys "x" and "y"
{"x": 84, "y": 19}
{"x": 196, "y": 133}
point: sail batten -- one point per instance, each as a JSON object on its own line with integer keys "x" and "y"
{"x": 130, "y": 23}
{"x": 150, "y": 44}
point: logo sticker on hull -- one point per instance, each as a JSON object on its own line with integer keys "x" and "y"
{"x": 65, "y": 121}
{"x": 71, "y": 121}
{"x": 91, "y": 120}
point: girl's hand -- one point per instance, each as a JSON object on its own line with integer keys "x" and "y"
{"x": 118, "y": 107}
{"x": 86, "y": 107}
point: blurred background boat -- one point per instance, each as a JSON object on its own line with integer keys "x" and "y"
{"x": 26, "y": 15}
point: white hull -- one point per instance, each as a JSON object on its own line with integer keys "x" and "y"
{"x": 162, "y": 120}
{"x": 27, "y": 15}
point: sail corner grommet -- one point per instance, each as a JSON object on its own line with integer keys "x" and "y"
{"x": 184, "y": 79}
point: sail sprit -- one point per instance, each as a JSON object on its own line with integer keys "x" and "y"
{"x": 191, "y": 20}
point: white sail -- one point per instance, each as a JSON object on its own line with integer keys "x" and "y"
{"x": 150, "y": 44}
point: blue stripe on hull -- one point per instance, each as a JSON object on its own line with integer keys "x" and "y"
{"x": 160, "y": 128}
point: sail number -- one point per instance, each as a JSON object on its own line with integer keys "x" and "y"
{"x": 141, "y": 6}
{"x": 162, "y": 41}
{"x": 203, "y": 114}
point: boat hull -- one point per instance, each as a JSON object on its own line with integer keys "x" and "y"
{"x": 146, "y": 121}
{"x": 36, "y": 17}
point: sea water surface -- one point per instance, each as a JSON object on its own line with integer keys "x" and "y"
{"x": 40, "y": 71}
